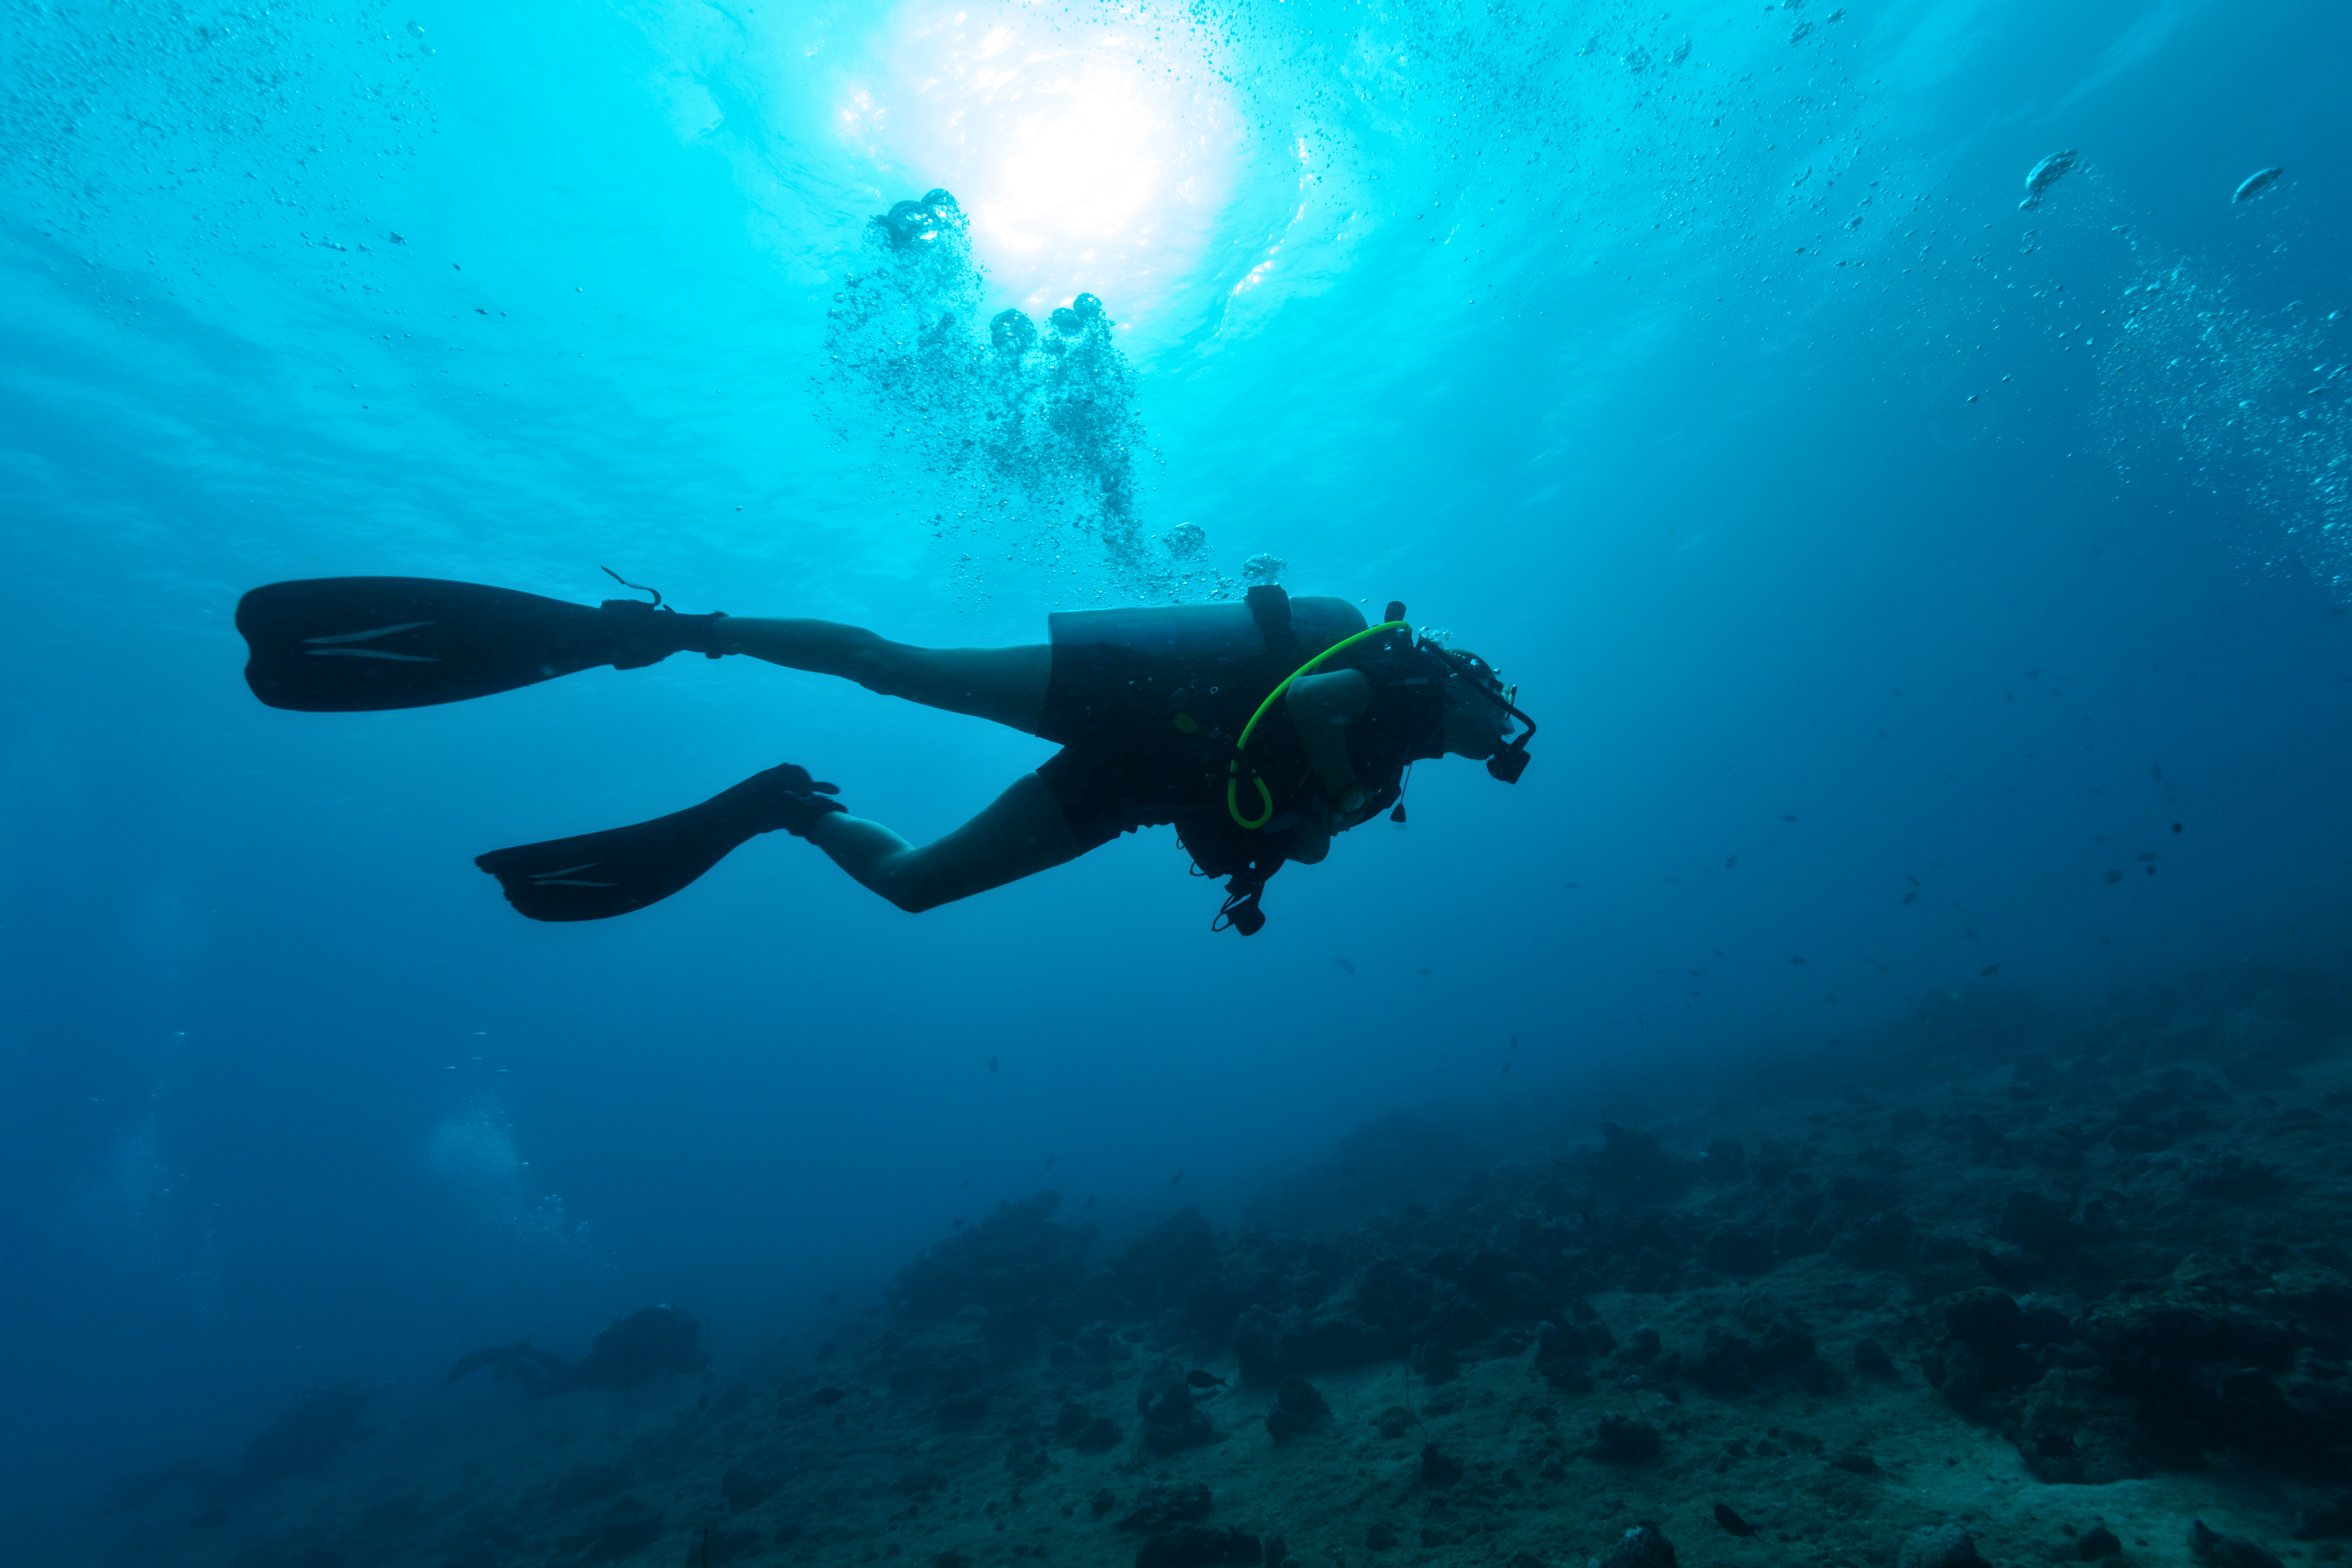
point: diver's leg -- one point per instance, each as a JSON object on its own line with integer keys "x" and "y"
{"x": 536, "y": 1369}
{"x": 1022, "y": 832}
{"x": 1003, "y": 684}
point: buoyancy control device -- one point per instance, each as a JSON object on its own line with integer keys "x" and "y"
{"x": 1240, "y": 658}
{"x": 1235, "y": 654}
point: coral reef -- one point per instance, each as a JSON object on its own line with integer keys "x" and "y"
{"x": 2010, "y": 1287}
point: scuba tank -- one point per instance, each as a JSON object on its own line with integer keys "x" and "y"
{"x": 1269, "y": 622}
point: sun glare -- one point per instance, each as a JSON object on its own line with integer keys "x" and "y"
{"x": 1090, "y": 156}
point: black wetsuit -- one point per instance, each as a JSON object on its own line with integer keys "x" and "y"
{"x": 1147, "y": 740}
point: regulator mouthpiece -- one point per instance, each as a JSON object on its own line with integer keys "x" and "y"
{"x": 1509, "y": 762}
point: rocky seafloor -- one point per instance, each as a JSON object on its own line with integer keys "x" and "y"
{"x": 2009, "y": 1285}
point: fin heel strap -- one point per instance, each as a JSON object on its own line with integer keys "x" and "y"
{"x": 652, "y": 633}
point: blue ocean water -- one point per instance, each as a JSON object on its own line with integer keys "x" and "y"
{"x": 1923, "y": 582}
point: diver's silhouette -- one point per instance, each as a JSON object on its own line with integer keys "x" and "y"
{"x": 1258, "y": 729}
{"x": 639, "y": 1346}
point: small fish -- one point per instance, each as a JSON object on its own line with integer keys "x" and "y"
{"x": 1200, "y": 1378}
{"x": 1787, "y": 816}
{"x": 1797, "y": 961}
{"x": 2044, "y": 175}
{"x": 1988, "y": 971}
{"x": 1178, "y": 1176}
{"x": 2255, "y": 184}
{"x": 1506, "y": 1070}
{"x": 1731, "y": 1522}
{"x": 957, "y": 1224}
{"x": 1090, "y": 1200}
{"x": 1344, "y": 965}
{"x": 1515, "y": 1042}
{"x": 1730, "y": 861}
{"x": 991, "y": 1064}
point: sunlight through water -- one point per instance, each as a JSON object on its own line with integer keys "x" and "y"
{"x": 1091, "y": 155}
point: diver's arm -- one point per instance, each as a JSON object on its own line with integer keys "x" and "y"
{"x": 1320, "y": 707}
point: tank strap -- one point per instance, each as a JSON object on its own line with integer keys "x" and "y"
{"x": 1269, "y": 607}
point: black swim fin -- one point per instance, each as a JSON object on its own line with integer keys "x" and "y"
{"x": 597, "y": 876}
{"x": 342, "y": 645}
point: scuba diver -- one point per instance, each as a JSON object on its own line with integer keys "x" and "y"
{"x": 1258, "y": 729}
{"x": 644, "y": 1345}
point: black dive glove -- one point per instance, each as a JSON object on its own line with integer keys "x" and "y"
{"x": 647, "y": 634}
